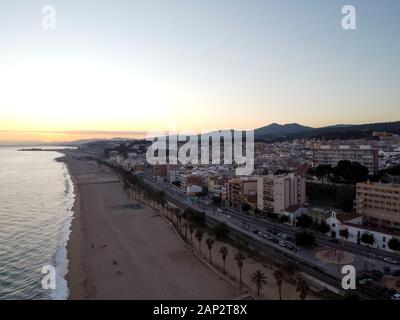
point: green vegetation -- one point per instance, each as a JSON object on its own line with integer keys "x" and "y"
{"x": 258, "y": 279}
{"x": 367, "y": 238}
{"x": 220, "y": 231}
{"x": 305, "y": 238}
{"x": 304, "y": 221}
{"x": 394, "y": 244}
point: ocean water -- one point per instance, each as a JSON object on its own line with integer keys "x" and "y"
{"x": 36, "y": 199}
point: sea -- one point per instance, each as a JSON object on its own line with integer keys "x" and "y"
{"x": 36, "y": 201}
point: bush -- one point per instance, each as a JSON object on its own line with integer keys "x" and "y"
{"x": 305, "y": 238}
{"x": 304, "y": 221}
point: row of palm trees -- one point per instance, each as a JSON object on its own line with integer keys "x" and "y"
{"x": 145, "y": 193}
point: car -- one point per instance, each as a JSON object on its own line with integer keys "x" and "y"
{"x": 366, "y": 281}
{"x": 228, "y": 216}
{"x": 220, "y": 210}
{"x": 282, "y": 244}
{"x": 273, "y": 231}
{"x": 280, "y": 235}
{"x": 395, "y": 297}
{"x": 390, "y": 260}
{"x": 292, "y": 248}
{"x": 396, "y": 273}
{"x": 387, "y": 270}
{"x": 275, "y": 240}
{"x": 377, "y": 273}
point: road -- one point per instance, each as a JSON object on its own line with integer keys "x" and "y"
{"x": 243, "y": 224}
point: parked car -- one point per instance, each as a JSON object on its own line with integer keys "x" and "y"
{"x": 390, "y": 260}
{"x": 387, "y": 270}
{"x": 220, "y": 210}
{"x": 377, "y": 273}
{"x": 292, "y": 248}
{"x": 395, "y": 297}
{"x": 282, "y": 244}
{"x": 275, "y": 240}
{"x": 366, "y": 281}
{"x": 273, "y": 231}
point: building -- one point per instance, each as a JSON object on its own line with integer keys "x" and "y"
{"x": 330, "y": 155}
{"x": 351, "y": 228}
{"x": 240, "y": 191}
{"x": 379, "y": 204}
{"x": 275, "y": 193}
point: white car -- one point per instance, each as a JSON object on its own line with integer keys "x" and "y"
{"x": 220, "y": 210}
{"x": 282, "y": 244}
{"x": 390, "y": 260}
{"x": 395, "y": 297}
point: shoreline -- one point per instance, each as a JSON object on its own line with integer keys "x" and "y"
{"x": 75, "y": 269}
{"x": 104, "y": 229}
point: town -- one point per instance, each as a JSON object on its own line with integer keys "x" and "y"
{"x": 316, "y": 202}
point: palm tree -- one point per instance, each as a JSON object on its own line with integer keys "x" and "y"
{"x": 302, "y": 287}
{"x": 224, "y": 252}
{"x": 239, "y": 259}
{"x": 278, "y": 274}
{"x": 186, "y": 225}
{"x": 199, "y": 237}
{"x": 191, "y": 230}
{"x": 210, "y": 243}
{"x": 258, "y": 278}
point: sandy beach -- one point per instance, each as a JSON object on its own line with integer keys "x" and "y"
{"x": 121, "y": 250}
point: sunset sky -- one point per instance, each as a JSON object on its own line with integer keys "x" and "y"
{"x": 120, "y": 68}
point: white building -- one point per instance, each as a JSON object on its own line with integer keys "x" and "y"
{"x": 352, "y": 230}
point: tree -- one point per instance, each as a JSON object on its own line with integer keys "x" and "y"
{"x": 220, "y": 231}
{"x": 258, "y": 279}
{"x": 245, "y": 206}
{"x": 284, "y": 219}
{"x": 302, "y": 287}
{"x": 210, "y": 243}
{"x": 186, "y": 225}
{"x": 394, "y": 244}
{"x": 304, "y": 221}
{"x": 239, "y": 260}
{"x": 305, "y": 238}
{"x": 367, "y": 238}
{"x": 224, "y": 253}
{"x": 278, "y": 274}
{"x": 324, "y": 227}
{"x": 191, "y": 230}
{"x": 322, "y": 171}
{"x": 344, "y": 233}
{"x": 199, "y": 237}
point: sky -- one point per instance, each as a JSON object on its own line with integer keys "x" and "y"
{"x": 121, "y": 68}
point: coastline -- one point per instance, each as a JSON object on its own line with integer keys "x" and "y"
{"x": 76, "y": 273}
{"x": 150, "y": 261}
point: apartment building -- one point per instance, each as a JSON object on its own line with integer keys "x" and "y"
{"x": 331, "y": 154}
{"x": 379, "y": 204}
{"x": 242, "y": 190}
{"x": 275, "y": 193}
